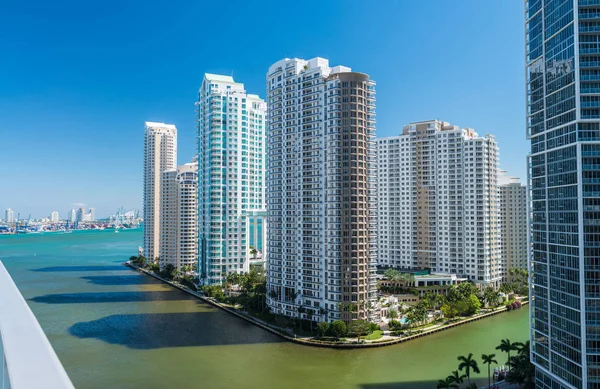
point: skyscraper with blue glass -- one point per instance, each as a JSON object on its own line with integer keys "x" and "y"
{"x": 231, "y": 175}
{"x": 563, "y": 124}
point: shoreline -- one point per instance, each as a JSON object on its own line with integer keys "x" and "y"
{"x": 314, "y": 343}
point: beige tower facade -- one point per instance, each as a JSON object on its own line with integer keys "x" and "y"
{"x": 512, "y": 222}
{"x": 179, "y": 217}
{"x": 160, "y": 154}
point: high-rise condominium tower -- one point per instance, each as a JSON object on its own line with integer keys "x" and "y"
{"x": 231, "y": 174}
{"x": 54, "y": 217}
{"x": 437, "y": 201}
{"x": 9, "y": 216}
{"x": 160, "y": 154}
{"x": 321, "y": 190}
{"x": 179, "y": 216}
{"x": 563, "y": 124}
{"x": 512, "y": 222}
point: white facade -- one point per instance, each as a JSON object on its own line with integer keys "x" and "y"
{"x": 512, "y": 222}
{"x": 437, "y": 188}
{"x": 231, "y": 173}
{"x": 81, "y": 215}
{"x": 321, "y": 237}
{"x": 179, "y": 216}
{"x": 9, "y": 216}
{"x": 54, "y": 217}
{"x": 72, "y": 216}
{"x": 160, "y": 154}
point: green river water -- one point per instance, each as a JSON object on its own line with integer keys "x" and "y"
{"x": 115, "y": 328}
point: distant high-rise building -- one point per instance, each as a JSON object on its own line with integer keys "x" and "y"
{"x": 160, "y": 154}
{"x": 9, "y": 216}
{"x": 512, "y": 222}
{"x": 321, "y": 190}
{"x": 231, "y": 172}
{"x": 91, "y": 215}
{"x": 72, "y": 216}
{"x": 80, "y": 215}
{"x": 54, "y": 217}
{"x": 179, "y": 216}
{"x": 437, "y": 201}
{"x": 563, "y": 124}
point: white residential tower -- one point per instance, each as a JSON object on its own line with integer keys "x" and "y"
{"x": 321, "y": 190}
{"x": 437, "y": 201}
{"x": 231, "y": 174}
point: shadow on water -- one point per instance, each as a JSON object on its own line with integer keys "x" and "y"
{"x": 429, "y": 384}
{"x": 135, "y": 279}
{"x": 109, "y": 297}
{"x": 159, "y": 330}
{"x": 78, "y": 268}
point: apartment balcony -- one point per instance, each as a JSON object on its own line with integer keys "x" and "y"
{"x": 27, "y": 359}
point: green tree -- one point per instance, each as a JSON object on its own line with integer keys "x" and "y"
{"x": 473, "y": 305}
{"x": 521, "y": 371}
{"x": 337, "y": 328}
{"x": 523, "y": 347}
{"x": 446, "y": 384}
{"x": 322, "y": 328}
{"x": 506, "y": 346}
{"x": 253, "y": 252}
{"x": 491, "y": 297}
{"x": 461, "y": 291}
{"x": 468, "y": 363}
{"x": 392, "y": 275}
{"x": 300, "y": 309}
{"x": 456, "y": 378}
{"x": 488, "y": 359}
{"x": 323, "y": 312}
{"x": 449, "y": 310}
{"x": 359, "y": 327}
{"x": 392, "y": 314}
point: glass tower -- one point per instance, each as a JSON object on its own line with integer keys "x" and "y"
{"x": 231, "y": 174}
{"x": 563, "y": 124}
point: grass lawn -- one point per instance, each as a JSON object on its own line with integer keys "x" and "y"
{"x": 374, "y": 335}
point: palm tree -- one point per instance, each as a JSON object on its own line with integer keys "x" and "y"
{"x": 523, "y": 348}
{"x": 446, "y": 384}
{"x": 468, "y": 363}
{"x": 323, "y": 311}
{"x": 456, "y": 378}
{"x": 300, "y": 311}
{"x": 488, "y": 359}
{"x": 506, "y": 346}
{"x": 392, "y": 314}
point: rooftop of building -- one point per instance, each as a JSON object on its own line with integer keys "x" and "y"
{"x": 160, "y": 125}
{"x": 218, "y": 77}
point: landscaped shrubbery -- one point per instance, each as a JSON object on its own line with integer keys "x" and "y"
{"x": 513, "y": 305}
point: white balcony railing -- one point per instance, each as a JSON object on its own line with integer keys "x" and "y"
{"x": 27, "y": 359}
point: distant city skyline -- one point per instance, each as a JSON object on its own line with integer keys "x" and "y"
{"x": 82, "y": 144}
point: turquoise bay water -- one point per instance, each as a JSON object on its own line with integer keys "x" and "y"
{"x": 115, "y": 328}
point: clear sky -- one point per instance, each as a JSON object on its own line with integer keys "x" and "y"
{"x": 78, "y": 79}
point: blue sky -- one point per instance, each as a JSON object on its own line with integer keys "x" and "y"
{"x": 78, "y": 79}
